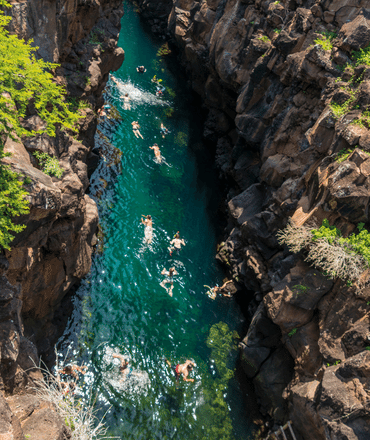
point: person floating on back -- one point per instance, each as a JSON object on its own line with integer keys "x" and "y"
{"x": 157, "y": 153}
{"x": 148, "y": 231}
{"x": 169, "y": 279}
{"x": 176, "y": 243}
{"x": 182, "y": 369}
{"x": 140, "y": 69}
{"x": 135, "y": 129}
{"x": 126, "y": 102}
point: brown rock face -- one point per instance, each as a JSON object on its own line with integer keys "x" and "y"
{"x": 54, "y": 251}
{"x": 262, "y": 67}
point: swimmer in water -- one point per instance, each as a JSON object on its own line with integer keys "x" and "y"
{"x": 212, "y": 292}
{"x": 182, "y": 369}
{"x": 140, "y": 69}
{"x": 176, "y": 243}
{"x": 164, "y": 131}
{"x": 157, "y": 153}
{"x": 135, "y": 129}
{"x": 169, "y": 279}
{"x": 73, "y": 370}
{"x": 125, "y": 370}
{"x": 126, "y": 102}
{"x": 148, "y": 231}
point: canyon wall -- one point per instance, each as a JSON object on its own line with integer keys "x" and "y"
{"x": 268, "y": 72}
{"x": 54, "y": 251}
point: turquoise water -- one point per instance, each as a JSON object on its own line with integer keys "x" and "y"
{"x": 121, "y": 305}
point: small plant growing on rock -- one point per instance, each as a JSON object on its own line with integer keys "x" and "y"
{"x": 49, "y": 164}
{"x": 300, "y": 288}
{"x": 325, "y": 40}
{"x": 343, "y": 154}
{"x": 265, "y": 39}
{"x": 292, "y": 332}
{"x": 277, "y": 31}
{"x": 362, "y": 56}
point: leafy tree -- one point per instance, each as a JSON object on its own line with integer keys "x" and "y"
{"x": 24, "y": 80}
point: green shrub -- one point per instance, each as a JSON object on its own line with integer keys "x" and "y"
{"x": 325, "y": 40}
{"x": 362, "y": 56}
{"x": 340, "y": 257}
{"x": 343, "y": 154}
{"x": 340, "y": 110}
{"x": 49, "y": 164}
{"x": 264, "y": 38}
{"x": 24, "y": 79}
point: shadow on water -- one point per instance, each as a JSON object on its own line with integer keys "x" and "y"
{"x": 121, "y": 306}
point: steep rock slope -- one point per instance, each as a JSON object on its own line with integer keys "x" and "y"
{"x": 285, "y": 96}
{"x": 54, "y": 251}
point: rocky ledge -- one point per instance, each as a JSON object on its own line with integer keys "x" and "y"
{"x": 288, "y": 91}
{"x": 54, "y": 251}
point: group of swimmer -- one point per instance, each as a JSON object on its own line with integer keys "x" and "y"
{"x": 175, "y": 245}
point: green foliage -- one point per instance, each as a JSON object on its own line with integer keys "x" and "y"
{"x": 355, "y": 244}
{"x": 251, "y": 22}
{"x": 181, "y": 139}
{"x": 367, "y": 348}
{"x": 265, "y": 38}
{"x": 13, "y": 203}
{"x": 343, "y": 154}
{"x": 49, "y": 164}
{"x": 325, "y": 40}
{"x": 337, "y": 362}
{"x": 163, "y": 50}
{"x": 277, "y": 31}
{"x": 300, "y": 288}
{"x": 292, "y": 332}
{"x": 362, "y": 56}
{"x": 363, "y": 120}
{"x": 326, "y": 231}
{"x": 340, "y": 110}
{"x": 25, "y": 79}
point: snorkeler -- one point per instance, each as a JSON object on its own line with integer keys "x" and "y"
{"x": 163, "y": 130}
{"x": 169, "y": 279}
{"x": 212, "y": 292}
{"x": 176, "y": 243}
{"x": 148, "y": 231}
{"x": 157, "y": 153}
{"x": 140, "y": 69}
{"x": 135, "y": 129}
{"x": 160, "y": 90}
{"x": 182, "y": 369}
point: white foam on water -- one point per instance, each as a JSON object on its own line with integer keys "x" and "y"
{"x": 137, "y": 95}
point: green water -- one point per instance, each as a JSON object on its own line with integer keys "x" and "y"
{"x": 121, "y": 304}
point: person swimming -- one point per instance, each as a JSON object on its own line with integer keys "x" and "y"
{"x": 126, "y": 102}
{"x": 157, "y": 153}
{"x": 124, "y": 368}
{"x": 135, "y": 129}
{"x": 163, "y": 130}
{"x": 169, "y": 279}
{"x": 148, "y": 231}
{"x": 73, "y": 370}
{"x": 176, "y": 243}
{"x": 182, "y": 369}
{"x": 140, "y": 69}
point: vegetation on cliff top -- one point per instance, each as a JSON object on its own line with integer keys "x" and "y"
{"x": 340, "y": 257}
{"x": 25, "y": 82}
